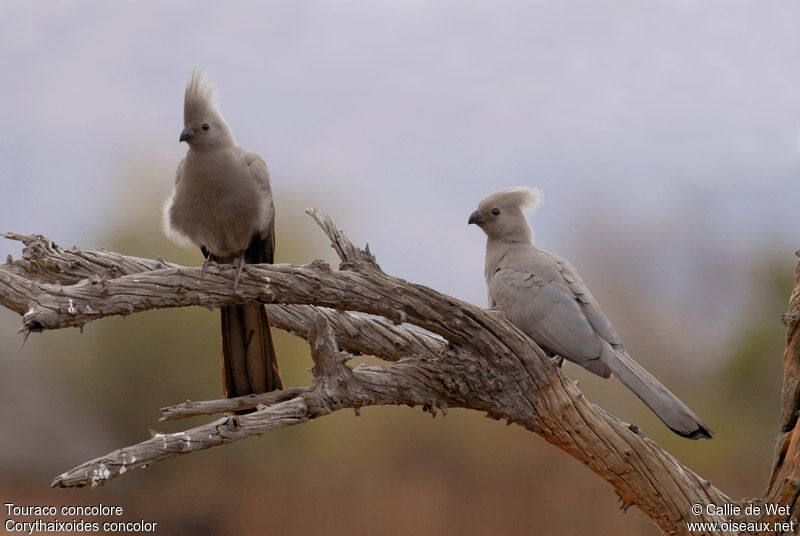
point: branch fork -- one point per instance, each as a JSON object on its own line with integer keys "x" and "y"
{"x": 440, "y": 353}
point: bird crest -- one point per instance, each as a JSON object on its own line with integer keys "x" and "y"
{"x": 199, "y": 102}
{"x": 522, "y": 197}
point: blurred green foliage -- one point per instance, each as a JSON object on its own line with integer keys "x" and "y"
{"x": 747, "y": 394}
{"x": 752, "y": 366}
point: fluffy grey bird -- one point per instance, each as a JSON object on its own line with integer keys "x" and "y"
{"x": 544, "y": 297}
{"x": 222, "y": 203}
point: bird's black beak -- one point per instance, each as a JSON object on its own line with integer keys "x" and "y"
{"x": 476, "y": 218}
{"x": 187, "y": 135}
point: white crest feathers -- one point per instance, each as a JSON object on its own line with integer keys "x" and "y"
{"x": 525, "y": 198}
{"x": 199, "y": 101}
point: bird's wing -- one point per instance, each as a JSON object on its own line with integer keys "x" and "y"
{"x": 262, "y": 248}
{"x": 257, "y": 168}
{"x": 548, "y": 302}
{"x": 259, "y": 172}
{"x": 588, "y": 305}
{"x": 543, "y": 295}
{"x": 249, "y": 361}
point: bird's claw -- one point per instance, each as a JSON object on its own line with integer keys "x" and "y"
{"x": 209, "y": 260}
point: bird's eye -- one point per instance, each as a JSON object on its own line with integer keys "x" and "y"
{"x": 205, "y": 126}
{"x": 495, "y": 212}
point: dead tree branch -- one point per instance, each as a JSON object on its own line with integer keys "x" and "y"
{"x": 335, "y": 386}
{"x": 784, "y": 483}
{"x": 442, "y": 352}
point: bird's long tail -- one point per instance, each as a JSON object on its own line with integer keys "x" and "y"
{"x": 667, "y": 407}
{"x": 249, "y": 364}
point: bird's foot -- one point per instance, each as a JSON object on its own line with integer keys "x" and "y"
{"x": 209, "y": 260}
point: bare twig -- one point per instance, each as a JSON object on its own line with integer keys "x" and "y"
{"x": 44, "y": 261}
{"x": 444, "y": 352}
{"x": 335, "y": 386}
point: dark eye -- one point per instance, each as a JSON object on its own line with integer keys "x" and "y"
{"x": 205, "y": 126}
{"x": 495, "y": 212}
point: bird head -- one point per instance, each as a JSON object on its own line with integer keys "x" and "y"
{"x": 204, "y": 127}
{"x": 501, "y": 215}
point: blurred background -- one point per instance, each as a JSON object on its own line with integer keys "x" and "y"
{"x": 664, "y": 134}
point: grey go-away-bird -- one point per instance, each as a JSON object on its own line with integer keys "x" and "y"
{"x": 543, "y": 296}
{"x": 222, "y": 203}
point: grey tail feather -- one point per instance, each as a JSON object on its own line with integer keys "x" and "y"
{"x": 667, "y": 407}
{"x": 249, "y": 364}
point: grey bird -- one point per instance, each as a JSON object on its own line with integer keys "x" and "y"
{"x": 222, "y": 203}
{"x": 543, "y": 296}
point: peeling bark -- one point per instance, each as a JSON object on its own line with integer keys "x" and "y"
{"x": 441, "y": 353}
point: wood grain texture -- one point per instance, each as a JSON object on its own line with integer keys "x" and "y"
{"x": 441, "y": 352}
{"x": 784, "y": 483}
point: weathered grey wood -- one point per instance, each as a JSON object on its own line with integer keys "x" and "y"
{"x": 334, "y": 386}
{"x": 462, "y": 356}
{"x": 44, "y": 261}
